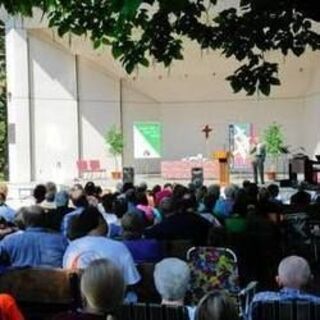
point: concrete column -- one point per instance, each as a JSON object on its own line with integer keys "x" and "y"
{"x": 19, "y": 107}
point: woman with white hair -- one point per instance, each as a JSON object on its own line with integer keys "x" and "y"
{"x": 102, "y": 288}
{"x": 172, "y": 280}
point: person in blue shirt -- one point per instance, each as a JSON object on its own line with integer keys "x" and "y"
{"x": 142, "y": 250}
{"x": 224, "y": 206}
{"x": 6, "y": 213}
{"x": 293, "y": 275}
{"x": 36, "y": 245}
{"x": 80, "y": 203}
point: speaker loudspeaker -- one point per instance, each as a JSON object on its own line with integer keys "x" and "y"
{"x": 197, "y": 176}
{"x": 128, "y": 175}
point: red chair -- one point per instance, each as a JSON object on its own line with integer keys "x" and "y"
{"x": 95, "y": 167}
{"x": 83, "y": 168}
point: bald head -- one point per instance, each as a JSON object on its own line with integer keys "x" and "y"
{"x": 294, "y": 272}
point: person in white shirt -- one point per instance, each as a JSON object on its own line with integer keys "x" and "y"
{"x": 89, "y": 230}
{"x": 258, "y": 155}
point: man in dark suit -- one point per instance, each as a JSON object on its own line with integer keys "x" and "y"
{"x": 258, "y": 153}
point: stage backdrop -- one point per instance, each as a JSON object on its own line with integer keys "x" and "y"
{"x": 240, "y": 136}
{"x": 147, "y": 140}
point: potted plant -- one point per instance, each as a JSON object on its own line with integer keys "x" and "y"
{"x": 274, "y": 142}
{"x": 114, "y": 140}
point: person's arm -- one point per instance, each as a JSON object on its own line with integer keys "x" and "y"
{"x": 4, "y": 253}
{"x": 9, "y": 308}
{"x": 253, "y": 150}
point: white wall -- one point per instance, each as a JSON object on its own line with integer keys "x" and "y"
{"x": 73, "y": 104}
{"x": 311, "y": 130}
{"x": 183, "y": 123}
{"x": 100, "y": 109}
{"x": 138, "y": 106}
{"x": 54, "y": 104}
{"x": 18, "y": 104}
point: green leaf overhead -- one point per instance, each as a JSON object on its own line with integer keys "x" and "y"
{"x": 141, "y": 31}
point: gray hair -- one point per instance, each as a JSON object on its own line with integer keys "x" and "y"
{"x": 294, "y": 271}
{"x": 172, "y": 278}
{"x": 230, "y": 192}
{"x": 102, "y": 286}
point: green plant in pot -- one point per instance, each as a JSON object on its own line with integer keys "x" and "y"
{"x": 274, "y": 141}
{"x": 115, "y": 143}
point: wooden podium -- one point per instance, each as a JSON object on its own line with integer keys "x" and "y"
{"x": 224, "y": 171}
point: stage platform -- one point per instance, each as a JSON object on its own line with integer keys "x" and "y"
{"x": 21, "y": 194}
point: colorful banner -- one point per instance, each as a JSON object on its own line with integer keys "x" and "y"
{"x": 240, "y": 140}
{"x": 147, "y": 140}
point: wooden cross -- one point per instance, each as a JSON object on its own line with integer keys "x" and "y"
{"x": 207, "y": 130}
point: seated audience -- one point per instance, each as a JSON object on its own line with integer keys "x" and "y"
{"x": 181, "y": 222}
{"x": 6, "y": 213}
{"x": 102, "y": 289}
{"x": 210, "y": 198}
{"x": 301, "y": 199}
{"x": 51, "y": 190}
{"x": 265, "y": 205}
{"x": 142, "y": 250}
{"x": 9, "y": 309}
{"x": 216, "y": 306}
{"x": 274, "y": 191}
{"x": 293, "y": 276}
{"x": 88, "y": 232}
{"x": 62, "y": 202}
{"x": 172, "y": 280}
{"x": 224, "y": 206}
{"x": 90, "y": 189}
{"x": 106, "y": 208}
{"x": 119, "y": 207}
{"x": 80, "y": 203}
{"x": 143, "y": 206}
{"x": 39, "y": 193}
{"x": 36, "y": 246}
{"x": 161, "y": 194}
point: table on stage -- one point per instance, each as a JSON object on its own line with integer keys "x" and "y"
{"x": 181, "y": 170}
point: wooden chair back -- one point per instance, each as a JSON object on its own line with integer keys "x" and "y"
{"x": 286, "y": 310}
{"x": 142, "y": 311}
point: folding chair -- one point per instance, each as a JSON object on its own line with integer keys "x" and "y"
{"x": 217, "y": 269}
{"x": 83, "y": 168}
{"x": 95, "y": 167}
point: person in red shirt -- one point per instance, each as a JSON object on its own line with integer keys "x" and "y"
{"x": 9, "y": 309}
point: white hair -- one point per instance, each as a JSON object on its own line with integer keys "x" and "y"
{"x": 294, "y": 271}
{"x": 172, "y": 278}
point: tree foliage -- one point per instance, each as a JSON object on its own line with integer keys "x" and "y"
{"x": 145, "y": 31}
{"x": 274, "y": 140}
{"x": 114, "y": 140}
